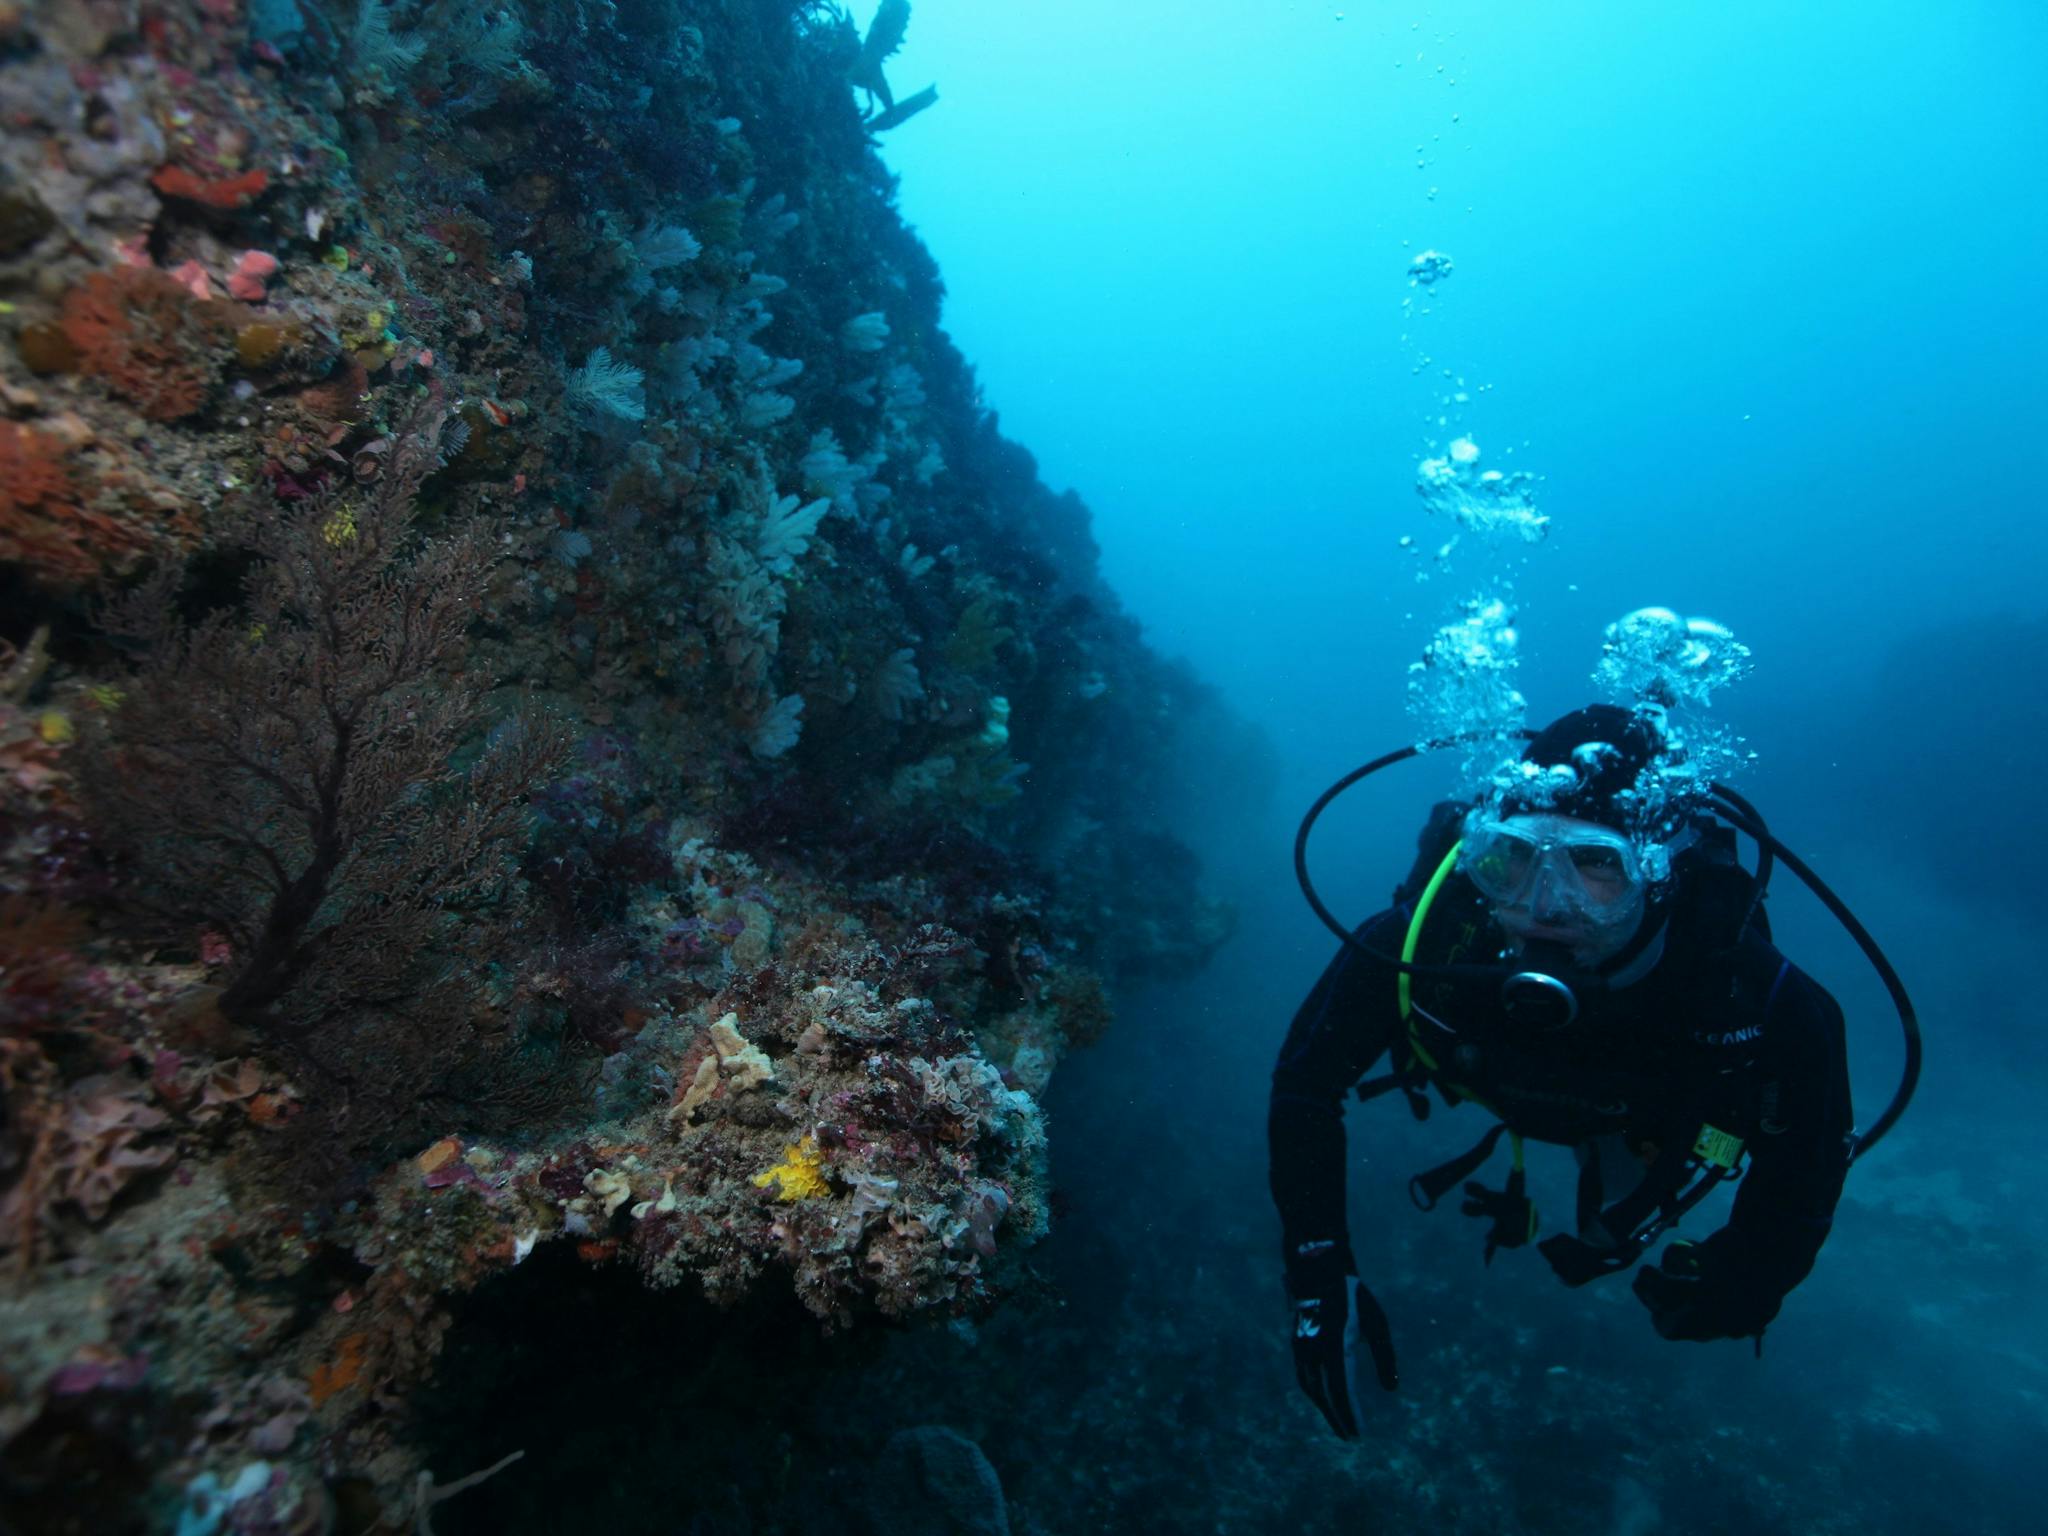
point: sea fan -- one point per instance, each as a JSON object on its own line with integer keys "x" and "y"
{"x": 764, "y": 409}
{"x": 865, "y": 333}
{"x": 778, "y": 728}
{"x": 660, "y": 247}
{"x": 828, "y": 472}
{"x": 895, "y": 684}
{"x": 786, "y": 531}
{"x": 376, "y": 49}
{"x": 608, "y": 388}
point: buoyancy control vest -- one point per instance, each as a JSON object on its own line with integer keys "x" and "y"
{"x": 1675, "y": 1068}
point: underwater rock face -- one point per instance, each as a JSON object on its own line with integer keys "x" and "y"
{"x": 536, "y": 708}
{"x": 934, "y": 1481}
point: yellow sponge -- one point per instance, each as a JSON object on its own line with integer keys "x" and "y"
{"x": 797, "y": 1176}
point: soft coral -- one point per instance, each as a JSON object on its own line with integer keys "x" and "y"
{"x": 149, "y": 338}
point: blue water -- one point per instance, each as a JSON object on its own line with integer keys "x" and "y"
{"x": 1725, "y": 311}
{"x": 1755, "y": 290}
{"x": 1760, "y": 294}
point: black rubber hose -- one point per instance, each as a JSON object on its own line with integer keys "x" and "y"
{"x": 1308, "y": 824}
{"x": 1308, "y": 889}
{"x": 1742, "y": 816}
{"x": 1764, "y": 858}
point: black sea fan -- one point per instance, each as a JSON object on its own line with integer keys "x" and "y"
{"x": 283, "y": 772}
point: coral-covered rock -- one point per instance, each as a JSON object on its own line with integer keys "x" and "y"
{"x": 149, "y": 338}
{"x": 423, "y": 368}
{"x": 934, "y": 1481}
{"x": 101, "y": 1143}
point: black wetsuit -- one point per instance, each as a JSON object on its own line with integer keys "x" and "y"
{"x": 1736, "y": 1037}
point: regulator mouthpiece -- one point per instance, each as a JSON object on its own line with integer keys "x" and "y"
{"x": 1537, "y": 999}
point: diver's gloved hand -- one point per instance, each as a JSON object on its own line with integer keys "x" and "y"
{"x": 1510, "y": 1210}
{"x": 1696, "y": 1293}
{"x": 1333, "y": 1311}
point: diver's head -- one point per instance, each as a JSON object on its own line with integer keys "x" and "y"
{"x": 1597, "y": 764}
{"x": 1575, "y": 850}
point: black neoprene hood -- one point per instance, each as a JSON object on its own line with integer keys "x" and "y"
{"x": 1609, "y": 748}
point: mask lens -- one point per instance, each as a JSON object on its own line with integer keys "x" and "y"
{"x": 1560, "y": 868}
{"x": 1501, "y": 860}
{"x": 1605, "y": 873}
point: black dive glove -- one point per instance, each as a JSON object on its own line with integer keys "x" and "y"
{"x": 1334, "y": 1317}
{"x": 1697, "y": 1293}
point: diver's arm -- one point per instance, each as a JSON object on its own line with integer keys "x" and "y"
{"x": 1785, "y": 1204}
{"x": 1345, "y": 1023}
{"x": 1338, "y": 1032}
{"x": 1732, "y": 1284}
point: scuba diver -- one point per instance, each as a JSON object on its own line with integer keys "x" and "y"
{"x": 1582, "y": 955}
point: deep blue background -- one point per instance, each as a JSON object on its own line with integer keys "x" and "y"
{"x": 1757, "y": 289}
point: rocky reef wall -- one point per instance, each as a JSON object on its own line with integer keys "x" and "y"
{"x": 537, "y": 709}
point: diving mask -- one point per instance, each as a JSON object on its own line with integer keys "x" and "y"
{"x": 1547, "y": 872}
